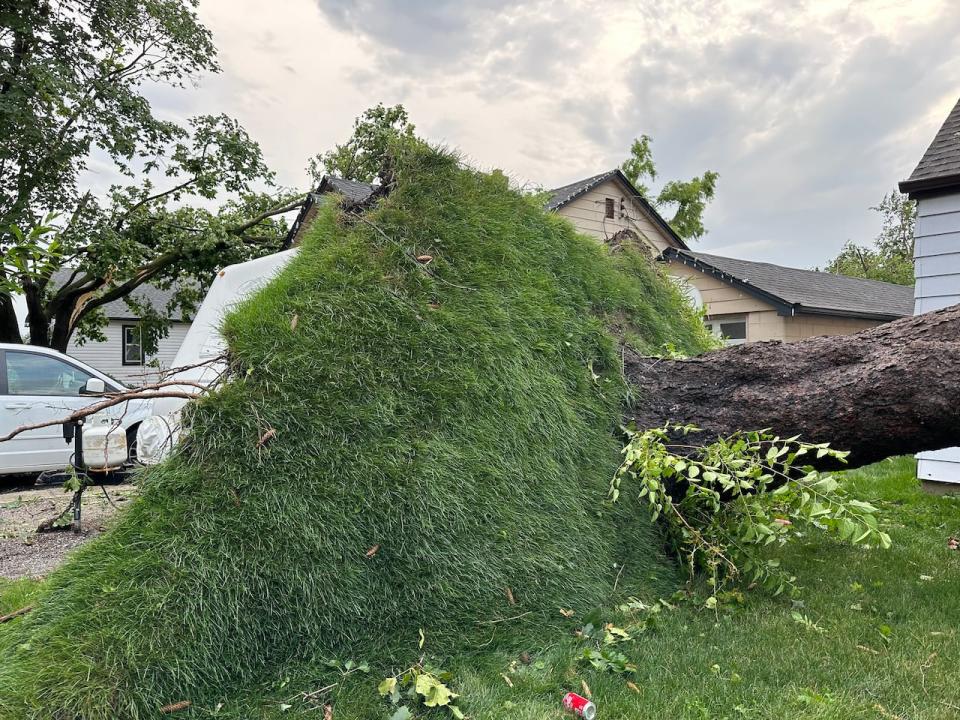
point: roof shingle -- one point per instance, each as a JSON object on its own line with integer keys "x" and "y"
{"x": 940, "y": 165}
{"x": 562, "y": 195}
{"x": 810, "y": 290}
{"x": 148, "y": 294}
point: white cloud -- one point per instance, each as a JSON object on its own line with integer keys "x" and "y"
{"x": 810, "y": 111}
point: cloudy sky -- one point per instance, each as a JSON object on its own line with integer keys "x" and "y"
{"x": 810, "y": 111}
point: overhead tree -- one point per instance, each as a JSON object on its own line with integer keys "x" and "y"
{"x": 686, "y": 199}
{"x": 361, "y": 157}
{"x": 890, "y": 256}
{"x": 72, "y": 74}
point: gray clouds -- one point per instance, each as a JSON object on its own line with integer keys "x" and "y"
{"x": 810, "y": 109}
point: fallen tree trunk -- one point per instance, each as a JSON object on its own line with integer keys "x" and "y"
{"x": 890, "y": 390}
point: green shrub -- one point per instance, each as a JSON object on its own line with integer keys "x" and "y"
{"x": 444, "y": 432}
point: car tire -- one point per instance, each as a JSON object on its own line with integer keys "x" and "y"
{"x": 132, "y": 444}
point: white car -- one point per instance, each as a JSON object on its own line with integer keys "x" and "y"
{"x": 37, "y": 385}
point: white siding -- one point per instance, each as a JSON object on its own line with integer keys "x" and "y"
{"x": 937, "y": 255}
{"x": 107, "y": 356}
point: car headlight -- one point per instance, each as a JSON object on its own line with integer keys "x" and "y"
{"x": 156, "y": 438}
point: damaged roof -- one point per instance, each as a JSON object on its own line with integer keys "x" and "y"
{"x": 792, "y": 290}
{"x": 353, "y": 191}
{"x": 568, "y": 193}
{"x": 939, "y": 168}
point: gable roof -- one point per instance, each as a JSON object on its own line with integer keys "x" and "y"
{"x": 568, "y": 193}
{"x": 354, "y": 192}
{"x": 357, "y": 192}
{"x": 148, "y": 294}
{"x": 939, "y": 168}
{"x": 792, "y": 290}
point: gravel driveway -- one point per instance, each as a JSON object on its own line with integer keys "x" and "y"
{"x": 26, "y": 553}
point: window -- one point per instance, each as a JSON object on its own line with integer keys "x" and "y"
{"x": 732, "y": 328}
{"x": 132, "y": 345}
{"x": 36, "y": 374}
{"x": 609, "y": 207}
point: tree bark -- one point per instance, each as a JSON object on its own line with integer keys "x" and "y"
{"x": 9, "y": 326}
{"x": 890, "y": 390}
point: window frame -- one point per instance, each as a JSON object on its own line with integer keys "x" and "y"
{"x": 124, "y": 345}
{"x": 714, "y": 323}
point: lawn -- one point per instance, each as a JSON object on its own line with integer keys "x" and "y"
{"x": 874, "y": 634}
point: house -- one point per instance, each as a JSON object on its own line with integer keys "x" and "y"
{"x": 121, "y": 354}
{"x": 750, "y": 301}
{"x": 935, "y": 186}
{"x": 745, "y": 301}
{"x": 354, "y": 192}
{"x": 608, "y": 207}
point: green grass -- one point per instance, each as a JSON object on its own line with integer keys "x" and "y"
{"x": 751, "y": 661}
{"x": 460, "y": 416}
{"x": 888, "y": 644}
{"x": 18, "y": 594}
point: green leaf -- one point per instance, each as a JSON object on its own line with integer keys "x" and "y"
{"x": 402, "y": 713}
{"x": 387, "y": 686}
{"x": 434, "y": 692}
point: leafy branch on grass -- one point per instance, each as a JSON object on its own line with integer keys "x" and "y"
{"x": 419, "y": 684}
{"x": 724, "y": 503}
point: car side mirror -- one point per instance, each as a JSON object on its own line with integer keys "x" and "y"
{"x": 94, "y": 386}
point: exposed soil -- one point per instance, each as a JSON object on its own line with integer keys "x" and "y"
{"x": 26, "y": 553}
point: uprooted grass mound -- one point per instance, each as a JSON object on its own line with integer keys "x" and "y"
{"x": 443, "y": 438}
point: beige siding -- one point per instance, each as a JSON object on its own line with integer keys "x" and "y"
{"x": 587, "y": 213}
{"x": 107, "y": 356}
{"x": 804, "y": 326}
{"x": 763, "y": 323}
{"x": 719, "y": 297}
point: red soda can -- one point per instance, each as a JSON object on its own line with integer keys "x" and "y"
{"x": 579, "y": 705}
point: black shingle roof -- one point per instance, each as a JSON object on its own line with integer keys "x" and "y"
{"x": 940, "y": 165}
{"x": 562, "y": 195}
{"x": 353, "y": 191}
{"x": 793, "y": 290}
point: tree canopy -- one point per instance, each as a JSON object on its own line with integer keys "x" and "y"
{"x": 361, "y": 157}
{"x": 890, "y": 256}
{"x": 72, "y": 74}
{"x": 686, "y": 198}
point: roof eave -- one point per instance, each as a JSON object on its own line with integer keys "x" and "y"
{"x": 930, "y": 185}
{"x": 308, "y": 202}
{"x": 853, "y": 314}
{"x": 783, "y": 306}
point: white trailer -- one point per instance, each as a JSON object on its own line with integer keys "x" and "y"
{"x": 158, "y": 434}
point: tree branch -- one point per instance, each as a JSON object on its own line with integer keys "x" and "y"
{"x": 102, "y": 405}
{"x": 240, "y": 229}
